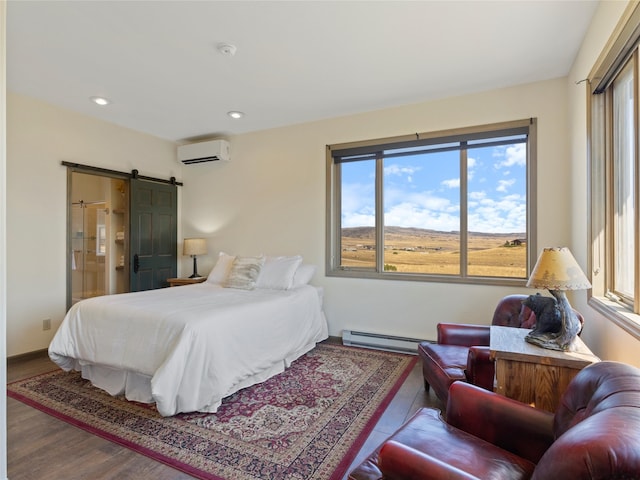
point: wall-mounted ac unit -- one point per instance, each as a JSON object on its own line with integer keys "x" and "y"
{"x": 204, "y": 152}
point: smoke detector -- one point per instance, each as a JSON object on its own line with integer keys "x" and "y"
{"x": 227, "y": 49}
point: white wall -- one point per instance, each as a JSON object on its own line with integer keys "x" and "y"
{"x": 3, "y": 252}
{"x": 271, "y": 198}
{"x": 39, "y": 137}
{"x": 604, "y": 337}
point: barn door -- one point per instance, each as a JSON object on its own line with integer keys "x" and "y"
{"x": 154, "y": 234}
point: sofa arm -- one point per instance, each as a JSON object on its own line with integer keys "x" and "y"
{"x": 481, "y": 368}
{"x": 462, "y": 334}
{"x": 401, "y": 462}
{"x": 509, "y": 424}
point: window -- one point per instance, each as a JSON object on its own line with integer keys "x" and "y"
{"x": 453, "y": 206}
{"x": 614, "y": 188}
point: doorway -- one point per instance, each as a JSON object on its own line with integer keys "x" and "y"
{"x": 121, "y": 232}
{"x": 97, "y": 236}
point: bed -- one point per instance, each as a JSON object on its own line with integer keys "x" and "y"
{"x": 186, "y": 348}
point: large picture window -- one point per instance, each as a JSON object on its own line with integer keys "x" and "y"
{"x": 615, "y": 168}
{"x": 448, "y": 206}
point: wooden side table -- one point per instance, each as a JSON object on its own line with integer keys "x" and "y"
{"x": 532, "y": 374}
{"x": 175, "y": 282}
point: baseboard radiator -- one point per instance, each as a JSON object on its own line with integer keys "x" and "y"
{"x": 378, "y": 341}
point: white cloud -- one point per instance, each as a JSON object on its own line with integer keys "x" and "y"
{"x": 506, "y": 214}
{"x": 358, "y": 205}
{"x": 477, "y": 195}
{"x": 503, "y": 185}
{"x": 417, "y": 209}
{"x": 410, "y": 215}
{"x": 512, "y": 155}
{"x": 451, "y": 183}
{"x": 358, "y": 220}
{"x": 428, "y": 201}
{"x": 502, "y": 215}
{"x": 421, "y": 210}
{"x": 401, "y": 171}
{"x": 471, "y": 164}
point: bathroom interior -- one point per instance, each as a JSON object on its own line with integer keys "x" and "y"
{"x": 97, "y": 236}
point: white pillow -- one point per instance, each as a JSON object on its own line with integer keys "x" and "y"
{"x": 277, "y": 272}
{"x": 303, "y": 275}
{"x": 244, "y": 272}
{"x": 222, "y": 268}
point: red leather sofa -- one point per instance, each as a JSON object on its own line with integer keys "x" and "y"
{"x": 594, "y": 434}
{"x": 462, "y": 350}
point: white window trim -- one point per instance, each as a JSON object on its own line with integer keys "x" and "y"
{"x": 619, "y": 48}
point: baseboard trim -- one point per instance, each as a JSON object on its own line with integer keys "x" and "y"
{"x": 27, "y": 356}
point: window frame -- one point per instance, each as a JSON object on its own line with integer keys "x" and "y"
{"x": 622, "y": 48}
{"x": 333, "y": 201}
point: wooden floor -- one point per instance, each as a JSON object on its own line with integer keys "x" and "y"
{"x": 44, "y": 448}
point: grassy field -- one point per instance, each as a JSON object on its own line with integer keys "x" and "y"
{"x": 426, "y": 251}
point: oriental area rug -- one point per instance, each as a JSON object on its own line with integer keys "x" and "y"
{"x": 308, "y": 423}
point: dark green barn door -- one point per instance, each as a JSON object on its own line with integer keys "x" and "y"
{"x": 154, "y": 237}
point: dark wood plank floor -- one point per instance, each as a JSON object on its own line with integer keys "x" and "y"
{"x": 44, "y": 448}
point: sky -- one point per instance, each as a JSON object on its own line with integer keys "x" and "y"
{"x": 423, "y": 191}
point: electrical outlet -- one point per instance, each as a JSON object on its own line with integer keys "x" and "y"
{"x": 46, "y": 324}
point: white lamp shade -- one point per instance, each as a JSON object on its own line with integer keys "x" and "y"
{"x": 194, "y": 246}
{"x": 556, "y": 269}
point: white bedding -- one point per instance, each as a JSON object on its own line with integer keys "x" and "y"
{"x": 186, "y": 348}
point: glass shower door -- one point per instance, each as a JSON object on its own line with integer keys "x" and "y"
{"x": 89, "y": 250}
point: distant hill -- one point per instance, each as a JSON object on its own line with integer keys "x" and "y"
{"x": 421, "y": 250}
{"x": 403, "y": 232}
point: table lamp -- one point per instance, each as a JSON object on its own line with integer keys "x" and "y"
{"x": 557, "y": 271}
{"x": 194, "y": 247}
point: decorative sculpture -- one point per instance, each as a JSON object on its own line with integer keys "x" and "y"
{"x": 548, "y": 315}
{"x": 560, "y": 324}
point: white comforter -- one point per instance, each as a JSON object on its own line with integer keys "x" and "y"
{"x": 186, "y": 348}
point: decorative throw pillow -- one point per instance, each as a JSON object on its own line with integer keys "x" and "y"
{"x": 244, "y": 272}
{"x": 277, "y": 272}
{"x": 303, "y": 275}
{"x": 221, "y": 270}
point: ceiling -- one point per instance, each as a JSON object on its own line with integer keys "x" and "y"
{"x": 299, "y": 61}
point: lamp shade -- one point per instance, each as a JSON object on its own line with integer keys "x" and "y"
{"x": 194, "y": 246}
{"x": 556, "y": 269}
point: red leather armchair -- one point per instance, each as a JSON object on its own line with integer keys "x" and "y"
{"x": 594, "y": 434}
{"x": 462, "y": 350}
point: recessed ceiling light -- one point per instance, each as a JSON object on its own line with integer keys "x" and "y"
{"x": 227, "y": 49}
{"x": 100, "y": 101}
{"x": 235, "y": 114}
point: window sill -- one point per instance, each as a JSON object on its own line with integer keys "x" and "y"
{"x": 618, "y": 314}
{"x": 430, "y": 278}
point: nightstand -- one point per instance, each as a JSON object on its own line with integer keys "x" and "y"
{"x": 176, "y": 282}
{"x": 532, "y": 374}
